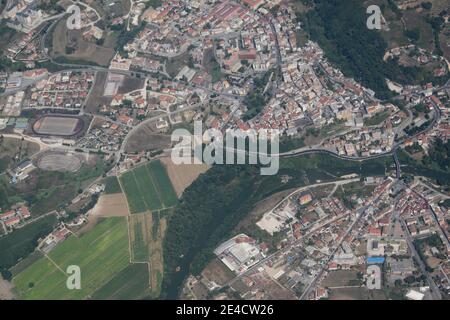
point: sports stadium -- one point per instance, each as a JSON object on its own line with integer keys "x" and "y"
{"x": 58, "y": 126}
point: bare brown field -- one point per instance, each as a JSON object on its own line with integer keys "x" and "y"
{"x": 111, "y": 205}
{"x": 357, "y": 294}
{"x": 183, "y": 175}
{"x": 130, "y": 84}
{"x": 6, "y": 290}
{"x": 60, "y": 161}
{"x": 433, "y": 262}
{"x": 58, "y": 126}
{"x": 339, "y": 278}
{"x": 83, "y": 50}
{"x": 144, "y": 140}
{"x": 10, "y": 147}
{"x": 219, "y": 273}
{"x": 262, "y": 207}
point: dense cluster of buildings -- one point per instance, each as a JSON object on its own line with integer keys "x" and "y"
{"x": 65, "y": 90}
{"x": 104, "y": 135}
{"x": 320, "y": 237}
{"x": 24, "y": 15}
{"x": 246, "y": 42}
{"x": 362, "y": 142}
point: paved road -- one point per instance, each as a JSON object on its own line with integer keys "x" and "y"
{"x": 156, "y": 118}
{"x": 313, "y": 229}
{"x": 313, "y": 283}
{"x": 434, "y": 290}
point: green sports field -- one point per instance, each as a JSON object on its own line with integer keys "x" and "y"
{"x": 148, "y": 188}
{"x": 101, "y": 254}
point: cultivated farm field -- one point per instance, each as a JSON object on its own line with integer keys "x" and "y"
{"x": 130, "y": 284}
{"x": 146, "y": 236}
{"x": 148, "y": 188}
{"x": 101, "y": 254}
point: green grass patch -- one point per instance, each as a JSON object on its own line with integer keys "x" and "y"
{"x": 376, "y": 119}
{"x": 212, "y": 66}
{"x": 53, "y": 198}
{"x": 291, "y": 143}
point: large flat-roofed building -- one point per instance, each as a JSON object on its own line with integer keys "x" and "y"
{"x": 239, "y": 253}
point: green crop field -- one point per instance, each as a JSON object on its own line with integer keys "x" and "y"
{"x": 112, "y": 185}
{"x": 130, "y": 283}
{"x": 101, "y": 254}
{"x": 134, "y": 197}
{"x": 148, "y": 188}
{"x": 139, "y": 242}
{"x": 164, "y": 186}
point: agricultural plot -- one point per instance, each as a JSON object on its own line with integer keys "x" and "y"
{"x": 164, "y": 186}
{"x": 135, "y": 200}
{"x": 148, "y": 188}
{"x": 182, "y": 175}
{"x": 130, "y": 284}
{"x": 146, "y": 235}
{"x": 112, "y": 185}
{"x": 140, "y": 237}
{"x": 156, "y": 259}
{"x": 101, "y": 254}
{"x": 146, "y": 185}
{"x": 111, "y": 205}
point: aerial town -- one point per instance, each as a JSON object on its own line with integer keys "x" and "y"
{"x": 360, "y": 206}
